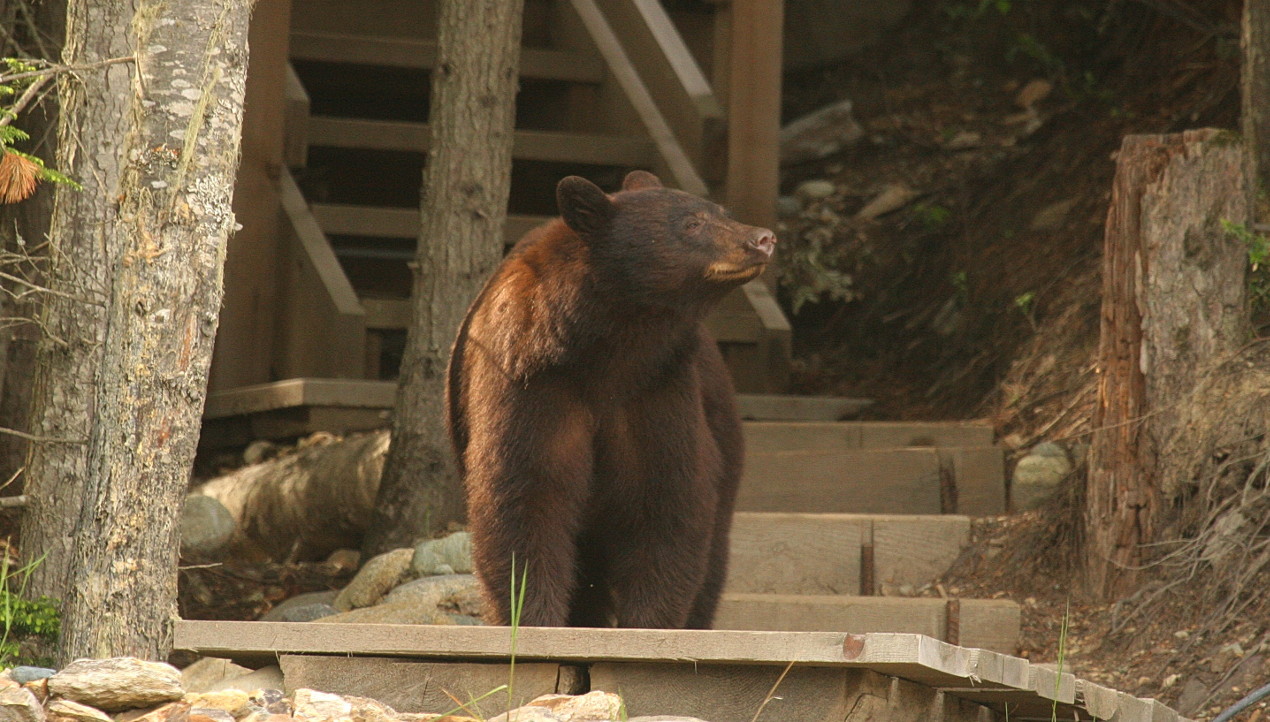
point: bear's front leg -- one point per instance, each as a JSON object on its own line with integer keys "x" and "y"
{"x": 528, "y": 472}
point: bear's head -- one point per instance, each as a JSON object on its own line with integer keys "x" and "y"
{"x": 661, "y": 243}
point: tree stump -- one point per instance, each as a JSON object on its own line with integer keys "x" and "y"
{"x": 1174, "y": 286}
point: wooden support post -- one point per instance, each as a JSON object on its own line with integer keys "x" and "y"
{"x": 1173, "y": 302}
{"x": 753, "y": 101}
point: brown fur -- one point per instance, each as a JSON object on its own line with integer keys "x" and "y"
{"x": 592, "y": 415}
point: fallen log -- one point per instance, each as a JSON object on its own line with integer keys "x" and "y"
{"x": 303, "y": 506}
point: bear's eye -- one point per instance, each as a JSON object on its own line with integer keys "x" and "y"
{"x": 692, "y": 224}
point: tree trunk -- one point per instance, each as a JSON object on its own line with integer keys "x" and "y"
{"x": 1255, "y": 71}
{"x": 139, "y": 254}
{"x": 36, "y": 31}
{"x": 466, "y": 184}
{"x": 1173, "y": 304}
{"x": 305, "y": 505}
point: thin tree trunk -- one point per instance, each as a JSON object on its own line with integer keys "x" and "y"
{"x": 73, "y": 319}
{"x": 155, "y": 144}
{"x": 1173, "y": 304}
{"x": 466, "y": 184}
{"x": 1255, "y": 71}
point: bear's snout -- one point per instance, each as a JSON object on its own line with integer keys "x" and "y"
{"x": 763, "y": 241}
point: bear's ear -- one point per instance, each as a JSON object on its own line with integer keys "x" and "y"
{"x": 585, "y": 208}
{"x": 638, "y": 180}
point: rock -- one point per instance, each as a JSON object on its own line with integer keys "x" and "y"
{"x": 592, "y": 706}
{"x": 314, "y": 706}
{"x": 1033, "y": 92}
{"x": 369, "y": 710}
{"x": 964, "y": 140}
{"x": 452, "y": 592}
{"x": 1193, "y": 694}
{"x": 206, "y": 527}
{"x": 271, "y": 700}
{"x": 258, "y": 451}
{"x": 118, "y": 683}
{"x": 170, "y": 712}
{"x": 1226, "y": 658}
{"x": 1052, "y": 216}
{"x": 266, "y": 679}
{"x": 665, "y": 718}
{"x": 344, "y": 561}
{"x": 451, "y": 555}
{"x": 815, "y": 189}
{"x": 234, "y": 701}
{"x": 1226, "y": 536}
{"x": 267, "y": 717}
{"x": 819, "y": 134}
{"x": 788, "y": 207}
{"x": 18, "y": 704}
{"x": 198, "y": 714}
{"x": 1038, "y": 474}
{"x": 303, "y": 608}
{"x": 64, "y": 710}
{"x": 892, "y": 198}
{"x": 24, "y": 674}
{"x": 396, "y": 613}
{"x": 375, "y": 579}
{"x": 203, "y": 674}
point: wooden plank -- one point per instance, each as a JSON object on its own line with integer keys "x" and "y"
{"x": 945, "y": 433}
{"x": 765, "y": 436}
{"x": 542, "y": 145}
{"x": 728, "y": 693}
{"x": 290, "y": 393}
{"x": 778, "y": 407}
{"x": 318, "y": 309}
{"x": 820, "y": 553}
{"x": 665, "y": 64}
{"x": 295, "y": 130}
{"x": 412, "y": 686}
{"x": 383, "y": 222}
{"x": 985, "y": 623}
{"x": 850, "y": 481}
{"x": 681, "y": 170}
{"x": 402, "y": 52}
{"x": 979, "y": 475}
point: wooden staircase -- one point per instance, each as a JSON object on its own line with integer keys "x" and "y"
{"x": 606, "y": 86}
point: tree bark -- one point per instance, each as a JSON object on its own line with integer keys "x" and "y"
{"x": 139, "y": 254}
{"x": 1173, "y": 304}
{"x": 305, "y": 505}
{"x": 466, "y": 184}
{"x": 1255, "y": 72}
{"x": 36, "y": 31}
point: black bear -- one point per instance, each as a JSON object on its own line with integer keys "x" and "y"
{"x": 592, "y": 414}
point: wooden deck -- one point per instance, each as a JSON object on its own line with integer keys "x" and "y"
{"x": 722, "y": 676}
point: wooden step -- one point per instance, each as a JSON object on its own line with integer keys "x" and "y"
{"x": 541, "y": 145}
{"x": 876, "y": 481}
{"x": 719, "y": 675}
{"x": 765, "y": 437}
{"x": 782, "y": 553}
{"x": 785, "y": 407}
{"x": 379, "y": 222}
{"x": 985, "y": 623}
{"x": 422, "y": 54}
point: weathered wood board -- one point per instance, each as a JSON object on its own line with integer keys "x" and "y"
{"x": 726, "y": 670}
{"x": 986, "y": 623}
{"x": 796, "y": 553}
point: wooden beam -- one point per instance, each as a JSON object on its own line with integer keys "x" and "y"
{"x": 318, "y": 307}
{"x": 527, "y": 144}
{"x": 295, "y": 130}
{"x": 381, "y": 222}
{"x": 682, "y": 172}
{"x": 664, "y": 62}
{"x": 753, "y": 53}
{"x": 402, "y": 52}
